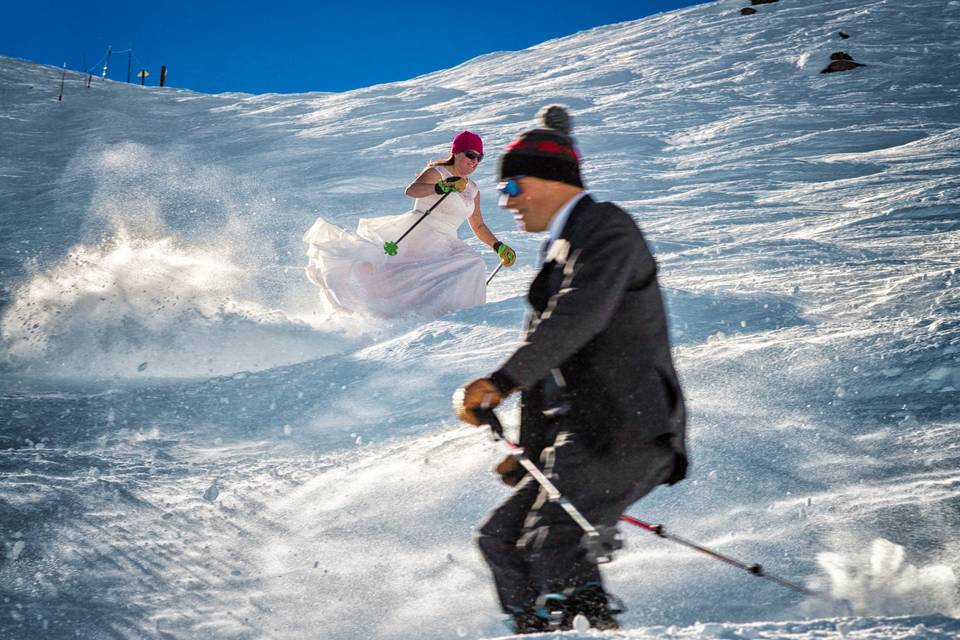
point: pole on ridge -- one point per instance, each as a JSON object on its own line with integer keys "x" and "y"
{"x": 62, "y": 80}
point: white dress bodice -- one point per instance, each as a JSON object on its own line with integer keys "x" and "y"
{"x": 455, "y": 208}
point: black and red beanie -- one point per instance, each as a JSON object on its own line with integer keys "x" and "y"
{"x": 547, "y": 152}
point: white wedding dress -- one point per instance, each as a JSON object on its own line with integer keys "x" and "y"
{"x": 432, "y": 273}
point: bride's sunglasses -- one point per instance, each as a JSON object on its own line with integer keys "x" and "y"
{"x": 473, "y": 155}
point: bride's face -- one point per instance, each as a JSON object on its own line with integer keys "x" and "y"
{"x": 466, "y": 162}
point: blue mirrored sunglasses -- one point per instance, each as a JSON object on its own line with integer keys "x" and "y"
{"x": 510, "y": 187}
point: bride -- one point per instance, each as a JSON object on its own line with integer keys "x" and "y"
{"x": 432, "y": 271}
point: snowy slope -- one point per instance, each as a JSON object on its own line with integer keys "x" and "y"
{"x": 192, "y": 450}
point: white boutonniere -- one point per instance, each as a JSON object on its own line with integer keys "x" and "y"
{"x": 558, "y": 251}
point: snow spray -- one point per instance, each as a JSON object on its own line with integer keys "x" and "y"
{"x": 878, "y": 581}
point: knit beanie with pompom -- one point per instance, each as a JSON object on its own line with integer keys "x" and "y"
{"x": 548, "y": 152}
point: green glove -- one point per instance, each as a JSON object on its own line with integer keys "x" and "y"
{"x": 451, "y": 184}
{"x": 507, "y": 255}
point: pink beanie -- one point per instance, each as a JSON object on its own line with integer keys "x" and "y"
{"x": 467, "y": 141}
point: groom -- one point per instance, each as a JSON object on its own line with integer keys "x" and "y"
{"x": 601, "y": 405}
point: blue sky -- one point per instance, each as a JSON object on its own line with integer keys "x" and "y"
{"x": 278, "y": 46}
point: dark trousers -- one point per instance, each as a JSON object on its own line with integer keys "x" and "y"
{"x": 533, "y": 546}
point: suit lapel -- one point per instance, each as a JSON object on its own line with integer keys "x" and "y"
{"x": 540, "y": 289}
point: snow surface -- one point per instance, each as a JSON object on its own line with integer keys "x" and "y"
{"x": 190, "y": 449}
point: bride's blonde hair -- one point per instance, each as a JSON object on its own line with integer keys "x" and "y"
{"x": 445, "y": 163}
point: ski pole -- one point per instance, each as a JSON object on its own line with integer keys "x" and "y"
{"x": 488, "y": 417}
{"x": 753, "y": 569}
{"x": 499, "y": 266}
{"x": 390, "y": 248}
{"x": 599, "y": 545}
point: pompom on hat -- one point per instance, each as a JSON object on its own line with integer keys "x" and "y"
{"x": 466, "y": 141}
{"x": 548, "y": 152}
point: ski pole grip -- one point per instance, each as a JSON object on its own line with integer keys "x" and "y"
{"x": 489, "y": 418}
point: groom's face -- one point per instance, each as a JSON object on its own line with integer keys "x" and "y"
{"x": 532, "y": 207}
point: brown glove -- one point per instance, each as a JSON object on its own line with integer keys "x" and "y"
{"x": 510, "y": 471}
{"x": 479, "y": 394}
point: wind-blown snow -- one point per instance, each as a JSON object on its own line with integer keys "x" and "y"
{"x": 190, "y": 449}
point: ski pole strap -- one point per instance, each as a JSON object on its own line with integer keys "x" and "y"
{"x": 489, "y": 418}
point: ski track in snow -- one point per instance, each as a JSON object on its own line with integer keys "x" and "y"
{"x": 191, "y": 449}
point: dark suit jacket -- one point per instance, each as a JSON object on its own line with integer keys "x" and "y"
{"x": 597, "y": 318}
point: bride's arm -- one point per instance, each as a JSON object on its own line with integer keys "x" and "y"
{"x": 479, "y": 228}
{"x": 424, "y": 184}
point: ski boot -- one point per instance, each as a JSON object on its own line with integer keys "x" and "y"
{"x": 525, "y": 620}
{"x": 548, "y": 614}
{"x": 593, "y": 603}
{"x": 553, "y": 609}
